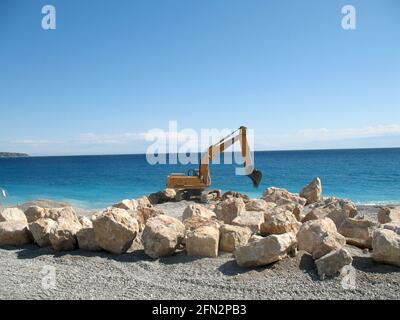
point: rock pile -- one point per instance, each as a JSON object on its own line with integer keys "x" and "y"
{"x": 257, "y": 232}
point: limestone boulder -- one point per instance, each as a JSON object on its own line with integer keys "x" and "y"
{"x": 166, "y": 195}
{"x": 229, "y": 209}
{"x": 392, "y": 226}
{"x": 312, "y": 192}
{"x": 203, "y": 242}
{"x": 197, "y": 210}
{"x": 279, "y": 223}
{"x": 259, "y": 205}
{"x": 34, "y": 213}
{"x": 332, "y": 263}
{"x": 40, "y": 229}
{"x": 115, "y": 230}
{"x": 12, "y": 214}
{"x": 63, "y": 234}
{"x": 250, "y": 219}
{"x": 143, "y": 202}
{"x": 336, "y": 204}
{"x": 282, "y": 197}
{"x": 195, "y": 222}
{"x": 338, "y": 217}
{"x": 86, "y": 238}
{"x": 358, "y": 232}
{"x": 85, "y": 222}
{"x": 232, "y": 237}
{"x": 127, "y": 204}
{"x": 162, "y": 235}
{"x": 319, "y": 237}
{"x": 386, "y": 247}
{"x": 316, "y": 214}
{"x": 263, "y": 251}
{"x": 389, "y": 214}
{"x": 14, "y": 233}
{"x": 67, "y": 212}
{"x": 298, "y": 211}
{"x": 142, "y": 214}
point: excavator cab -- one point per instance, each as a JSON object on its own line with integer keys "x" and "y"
{"x": 200, "y": 179}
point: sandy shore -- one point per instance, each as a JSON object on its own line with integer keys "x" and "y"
{"x": 88, "y": 275}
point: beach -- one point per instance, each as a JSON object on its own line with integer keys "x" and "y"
{"x": 82, "y": 274}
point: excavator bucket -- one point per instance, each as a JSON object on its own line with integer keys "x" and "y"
{"x": 255, "y": 177}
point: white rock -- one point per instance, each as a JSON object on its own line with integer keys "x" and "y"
{"x": 312, "y": 192}
{"x": 392, "y": 226}
{"x": 127, "y": 204}
{"x": 85, "y": 222}
{"x": 259, "y": 205}
{"x": 203, "y": 242}
{"x": 143, "y": 202}
{"x": 14, "y": 233}
{"x": 40, "y": 230}
{"x": 197, "y": 221}
{"x": 229, "y": 209}
{"x": 13, "y": 214}
{"x": 358, "y": 232}
{"x": 197, "y": 210}
{"x": 332, "y": 263}
{"x": 386, "y": 247}
{"x": 316, "y": 214}
{"x": 142, "y": 214}
{"x": 115, "y": 230}
{"x": 87, "y": 239}
{"x": 162, "y": 235}
{"x": 232, "y": 237}
{"x": 278, "y": 223}
{"x": 63, "y": 234}
{"x": 282, "y": 197}
{"x": 266, "y": 250}
{"x": 34, "y": 213}
{"x": 389, "y": 214}
{"x": 250, "y": 219}
{"x": 319, "y": 237}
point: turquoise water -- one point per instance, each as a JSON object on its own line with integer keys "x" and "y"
{"x": 368, "y": 176}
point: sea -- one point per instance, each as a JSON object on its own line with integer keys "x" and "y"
{"x": 365, "y": 176}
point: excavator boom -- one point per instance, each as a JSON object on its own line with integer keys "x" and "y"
{"x": 200, "y": 179}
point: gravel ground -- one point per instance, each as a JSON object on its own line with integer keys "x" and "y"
{"x": 87, "y": 275}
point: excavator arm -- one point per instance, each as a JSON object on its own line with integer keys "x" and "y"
{"x": 218, "y": 148}
{"x": 202, "y": 180}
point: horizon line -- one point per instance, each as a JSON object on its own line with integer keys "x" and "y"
{"x": 130, "y": 154}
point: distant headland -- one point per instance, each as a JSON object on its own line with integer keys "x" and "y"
{"x": 12, "y": 155}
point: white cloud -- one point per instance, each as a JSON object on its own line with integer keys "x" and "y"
{"x": 137, "y": 142}
{"x": 36, "y": 142}
{"x": 306, "y": 138}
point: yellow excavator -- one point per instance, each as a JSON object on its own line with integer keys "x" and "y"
{"x": 199, "y": 180}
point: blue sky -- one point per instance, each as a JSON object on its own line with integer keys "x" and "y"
{"x": 112, "y": 70}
